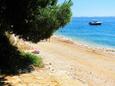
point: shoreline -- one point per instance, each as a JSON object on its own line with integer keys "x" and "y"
{"x": 85, "y": 45}
{"x": 88, "y": 65}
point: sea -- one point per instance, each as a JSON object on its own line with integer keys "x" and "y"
{"x": 79, "y": 30}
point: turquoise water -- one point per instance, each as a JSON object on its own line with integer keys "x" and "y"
{"x": 79, "y": 29}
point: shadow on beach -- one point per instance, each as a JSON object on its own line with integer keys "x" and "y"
{"x": 3, "y": 81}
{"x": 4, "y": 75}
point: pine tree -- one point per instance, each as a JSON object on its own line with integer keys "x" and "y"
{"x": 32, "y": 20}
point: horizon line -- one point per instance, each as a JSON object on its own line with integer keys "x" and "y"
{"x": 93, "y": 16}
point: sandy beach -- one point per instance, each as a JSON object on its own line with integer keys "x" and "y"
{"x": 90, "y": 66}
{"x": 72, "y": 64}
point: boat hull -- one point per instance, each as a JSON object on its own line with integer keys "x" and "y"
{"x": 90, "y": 23}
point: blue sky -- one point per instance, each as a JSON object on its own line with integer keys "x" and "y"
{"x": 92, "y": 7}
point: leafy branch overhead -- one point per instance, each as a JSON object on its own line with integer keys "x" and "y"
{"x": 33, "y": 20}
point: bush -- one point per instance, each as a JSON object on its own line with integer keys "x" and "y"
{"x": 30, "y": 58}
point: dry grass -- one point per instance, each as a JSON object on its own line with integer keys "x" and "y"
{"x": 20, "y": 43}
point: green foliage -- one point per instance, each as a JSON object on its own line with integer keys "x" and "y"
{"x": 32, "y": 59}
{"x": 64, "y": 14}
{"x": 34, "y": 20}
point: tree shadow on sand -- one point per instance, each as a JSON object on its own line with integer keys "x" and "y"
{"x": 3, "y": 77}
{"x": 3, "y": 81}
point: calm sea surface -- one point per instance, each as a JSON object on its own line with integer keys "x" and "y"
{"x": 79, "y": 30}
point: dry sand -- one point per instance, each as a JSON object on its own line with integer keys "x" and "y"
{"x": 73, "y": 64}
{"x": 90, "y": 66}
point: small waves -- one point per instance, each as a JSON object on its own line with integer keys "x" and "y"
{"x": 79, "y": 29}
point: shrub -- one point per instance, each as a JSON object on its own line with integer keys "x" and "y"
{"x": 30, "y": 58}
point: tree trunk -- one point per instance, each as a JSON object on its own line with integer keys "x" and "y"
{"x": 9, "y": 55}
{"x": 11, "y": 61}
